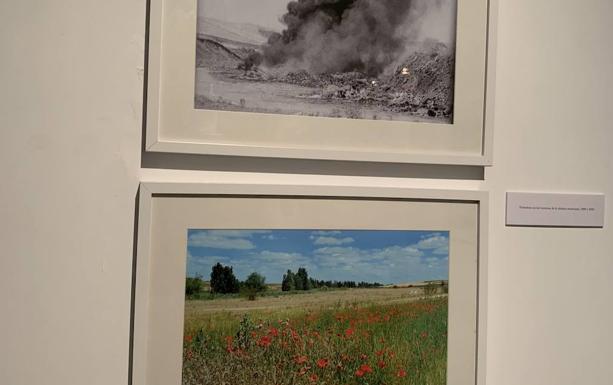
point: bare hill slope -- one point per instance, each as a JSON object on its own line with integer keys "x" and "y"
{"x": 247, "y": 33}
{"x": 214, "y": 55}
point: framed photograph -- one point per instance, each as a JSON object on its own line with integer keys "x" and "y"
{"x": 406, "y": 81}
{"x": 276, "y": 284}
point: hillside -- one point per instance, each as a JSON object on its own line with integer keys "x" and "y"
{"x": 214, "y": 55}
{"x": 245, "y": 33}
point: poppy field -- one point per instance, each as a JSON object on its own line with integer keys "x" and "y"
{"x": 306, "y": 339}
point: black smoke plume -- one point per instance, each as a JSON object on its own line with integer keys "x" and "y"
{"x": 327, "y": 36}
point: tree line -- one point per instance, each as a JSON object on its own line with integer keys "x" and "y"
{"x": 223, "y": 281}
{"x": 301, "y": 281}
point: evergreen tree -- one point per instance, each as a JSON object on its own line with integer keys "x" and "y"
{"x": 289, "y": 281}
{"x": 314, "y": 284}
{"x": 302, "y": 280}
{"x": 223, "y": 280}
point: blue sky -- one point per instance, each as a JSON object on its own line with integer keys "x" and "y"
{"x": 362, "y": 255}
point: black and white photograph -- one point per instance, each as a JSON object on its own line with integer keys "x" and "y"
{"x": 358, "y": 59}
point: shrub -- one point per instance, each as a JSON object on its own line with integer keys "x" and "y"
{"x": 302, "y": 280}
{"x": 254, "y": 284}
{"x": 193, "y": 285}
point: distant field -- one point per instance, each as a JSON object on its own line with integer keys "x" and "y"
{"x": 379, "y": 336}
{"x": 275, "y": 300}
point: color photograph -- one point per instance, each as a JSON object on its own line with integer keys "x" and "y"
{"x": 336, "y": 307}
{"x": 358, "y": 59}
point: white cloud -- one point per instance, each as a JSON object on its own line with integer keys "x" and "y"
{"x": 331, "y": 240}
{"x": 442, "y": 250}
{"x": 324, "y": 233}
{"x": 436, "y": 241}
{"x": 219, "y": 242}
{"x": 282, "y": 258}
{"x": 224, "y": 239}
{"x": 395, "y": 264}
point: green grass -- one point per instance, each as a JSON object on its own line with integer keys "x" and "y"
{"x": 356, "y": 344}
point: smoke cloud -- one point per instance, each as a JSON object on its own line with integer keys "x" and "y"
{"x": 327, "y": 36}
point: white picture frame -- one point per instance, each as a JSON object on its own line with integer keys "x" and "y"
{"x": 174, "y": 125}
{"x": 171, "y": 208}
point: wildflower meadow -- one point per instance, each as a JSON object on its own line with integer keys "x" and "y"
{"x": 353, "y": 343}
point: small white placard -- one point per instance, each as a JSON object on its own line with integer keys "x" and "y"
{"x": 559, "y": 210}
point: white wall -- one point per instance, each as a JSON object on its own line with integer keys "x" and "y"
{"x": 70, "y": 126}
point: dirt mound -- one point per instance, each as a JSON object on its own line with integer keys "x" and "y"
{"x": 213, "y": 55}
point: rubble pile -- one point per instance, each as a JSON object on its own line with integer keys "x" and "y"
{"x": 424, "y": 83}
{"x": 301, "y": 78}
{"x": 421, "y": 85}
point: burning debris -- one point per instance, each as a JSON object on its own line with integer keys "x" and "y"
{"x": 328, "y": 36}
{"x": 422, "y": 85}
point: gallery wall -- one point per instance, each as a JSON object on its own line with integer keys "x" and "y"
{"x": 70, "y": 161}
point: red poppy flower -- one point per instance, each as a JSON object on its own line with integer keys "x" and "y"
{"x": 401, "y": 373}
{"x": 313, "y": 377}
{"x": 381, "y": 364}
{"x": 322, "y": 362}
{"x": 295, "y": 336}
{"x": 301, "y": 359}
{"x": 359, "y": 373}
{"x": 264, "y": 341}
{"x": 273, "y": 332}
{"x": 379, "y": 353}
{"x": 365, "y": 368}
{"x": 349, "y": 332}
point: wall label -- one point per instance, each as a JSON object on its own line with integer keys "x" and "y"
{"x": 555, "y": 210}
